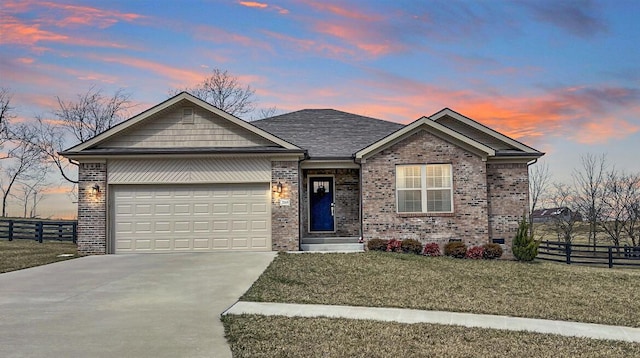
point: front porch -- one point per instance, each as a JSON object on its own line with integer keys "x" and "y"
{"x": 330, "y": 210}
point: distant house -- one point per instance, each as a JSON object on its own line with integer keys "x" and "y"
{"x": 187, "y": 176}
{"x": 552, "y": 214}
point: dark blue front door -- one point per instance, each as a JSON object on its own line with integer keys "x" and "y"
{"x": 321, "y": 204}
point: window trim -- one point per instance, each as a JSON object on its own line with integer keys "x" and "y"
{"x": 424, "y": 189}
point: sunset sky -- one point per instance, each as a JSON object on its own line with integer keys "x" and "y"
{"x": 562, "y": 76}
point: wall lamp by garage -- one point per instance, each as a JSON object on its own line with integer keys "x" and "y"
{"x": 277, "y": 188}
{"x": 95, "y": 189}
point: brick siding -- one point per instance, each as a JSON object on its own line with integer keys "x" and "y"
{"x": 469, "y": 221}
{"x": 92, "y": 209}
{"x": 285, "y": 228}
{"x": 508, "y": 186}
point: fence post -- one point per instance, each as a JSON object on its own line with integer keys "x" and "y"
{"x": 10, "y": 230}
{"x": 75, "y": 232}
{"x": 567, "y": 249}
{"x": 610, "y": 256}
{"x": 39, "y": 231}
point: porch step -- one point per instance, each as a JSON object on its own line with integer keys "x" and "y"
{"x": 344, "y": 247}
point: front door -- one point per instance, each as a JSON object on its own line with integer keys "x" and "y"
{"x": 321, "y": 205}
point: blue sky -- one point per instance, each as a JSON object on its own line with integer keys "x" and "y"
{"x": 562, "y": 76}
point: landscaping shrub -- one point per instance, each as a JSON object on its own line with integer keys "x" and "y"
{"x": 455, "y": 249}
{"x": 492, "y": 251}
{"x": 524, "y": 247}
{"x": 431, "y": 249}
{"x": 394, "y": 245}
{"x": 377, "y": 245}
{"x": 475, "y": 253}
{"x": 411, "y": 246}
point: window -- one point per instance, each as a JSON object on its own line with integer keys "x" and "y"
{"x": 424, "y": 188}
{"x": 187, "y": 115}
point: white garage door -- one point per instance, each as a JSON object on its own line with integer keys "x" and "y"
{"x": 162, "y": 218}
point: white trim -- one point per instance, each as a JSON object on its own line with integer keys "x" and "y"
{"x": 333, "y": 200}
{"x": 329, "y": 164}
{"x": 168, "y": 103}
{"x": 470, "y": 122}
{"x": 424, "y": 189}
{"x": 413, "y": 128}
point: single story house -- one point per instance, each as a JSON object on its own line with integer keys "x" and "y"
{"x": 563, "y": 214}
{"x": 187, "y": 176}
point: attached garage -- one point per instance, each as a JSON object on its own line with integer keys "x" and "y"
{"x": 210, "y": 217}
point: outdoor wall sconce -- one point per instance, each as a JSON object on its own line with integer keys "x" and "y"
{"x": 95, "y": 189}
{"x": 278, "y": 188}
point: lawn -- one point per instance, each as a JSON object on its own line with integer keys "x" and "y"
{"x": 536, "y": 290}
{"x": 265, "y": 336}
{"x": 21, "y": 254}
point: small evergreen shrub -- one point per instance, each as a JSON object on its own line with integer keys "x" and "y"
{"x": 455, "y": 249}
{"x": 394, "y": 245}
{"x": 431, "y": 249}
{"x": 474, "y": 252}
{"x": 492, "y": 251}
{"x": 524, "y": 247}
{"x": 377, "y": 245}
{"x": 411, "y": 246}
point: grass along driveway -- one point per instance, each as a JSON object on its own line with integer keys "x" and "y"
{"x": 378, "y": 279}
{"x": 21, "y": 254}
{"x": 269, "y": 336}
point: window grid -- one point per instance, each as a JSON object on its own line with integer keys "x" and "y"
{"x": 426, "y": 188}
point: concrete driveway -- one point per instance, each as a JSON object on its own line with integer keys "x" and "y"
{"x": 159, "y": 305}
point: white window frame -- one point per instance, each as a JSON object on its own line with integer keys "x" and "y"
{"x": 424, "y": 189}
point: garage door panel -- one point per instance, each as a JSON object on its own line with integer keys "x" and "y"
{"x": 161, "y": 218}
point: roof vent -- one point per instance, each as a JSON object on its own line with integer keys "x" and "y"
{"x": 187, "y": 115}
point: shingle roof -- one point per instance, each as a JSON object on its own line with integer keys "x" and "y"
{"x": 327, "y": 133}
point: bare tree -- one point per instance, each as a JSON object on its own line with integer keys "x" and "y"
{"x": 564, "y": 196}
{"x": 613, "y": 213}
{"x": 589, "y": 185}
{"x": 224, "y": 91}
{"x": 23, "y": 159}
{"x": 539, "y": 178}
{"x": 80, "y": 120}
{"x": 6, "y": 113}
{"x": 29, "y": 193}
{"x": 267, "y": 112}
{"x": 630, "y": 184}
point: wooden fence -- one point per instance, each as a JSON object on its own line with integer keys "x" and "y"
{"x": 611, "y": 256}
{"x": 38, "y": 230}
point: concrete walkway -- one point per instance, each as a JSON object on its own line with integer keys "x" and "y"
{"x": 563, "y": 328}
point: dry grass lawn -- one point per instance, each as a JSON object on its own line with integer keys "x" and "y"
{"x": 378, "y": 279}
{"x": 263, "y": 336}
{"x": 21, "y": 254}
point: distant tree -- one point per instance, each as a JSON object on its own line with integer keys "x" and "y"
{"x": 589, "y": 185}
{"x": 620, "y": 202}
{"x": 539, "y": 177}
{"x": 268, "y": 112}
{"x": 6, "y": 113}
{"x": 23, "y": 161}
{"x": 563, "y": 196}
{"x": 30, "y": 193}
{"x": 77, "y": 121}
{"x": 224, "y": 91}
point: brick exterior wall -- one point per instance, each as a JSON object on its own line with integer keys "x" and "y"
{"x": 508, "y": 187}
{"x": 347, "y": 202}
{"x": 285, "y": 228}
{"x": 469, "y": 221}
{"x": 92, "y": 209}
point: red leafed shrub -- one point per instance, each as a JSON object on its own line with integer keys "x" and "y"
{"x": 431, "y": 249}
{"x": 475, "y": 253}
{"x": 394, "y": 245}
{"x": 377, "y": 245}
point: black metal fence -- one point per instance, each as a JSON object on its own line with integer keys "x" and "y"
{"x": 39, "y": 230}
{"x": 611, "y": 256}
